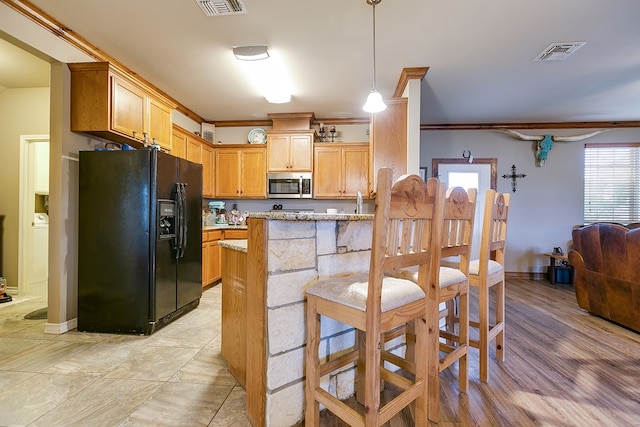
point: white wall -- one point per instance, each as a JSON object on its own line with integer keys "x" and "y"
{"x": 547, "y": 203}
{"x": 22, "y": 112}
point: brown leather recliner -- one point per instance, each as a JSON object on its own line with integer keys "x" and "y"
{"x": 607, "y": 275}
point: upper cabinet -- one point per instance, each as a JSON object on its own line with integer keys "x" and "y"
{"x": 107, "y": 103}
{"x": 290, "y": 142}
{"x": 290, "y": 152}
{"x": 388, "y": 140}
{"x": 240, "y": 171}
{"x": 340, "y": 170}
{"x": 190, "y": 146}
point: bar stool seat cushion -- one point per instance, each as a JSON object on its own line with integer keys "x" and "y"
{"x": 448, "y": 276}
{"x": 494, "y": 267}
{"x": 352, "y": 291}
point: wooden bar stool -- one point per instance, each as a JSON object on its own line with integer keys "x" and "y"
{"x": 453, "y": 280}
{"x": 487, "y": 272}
{"x": 406, "y": 233}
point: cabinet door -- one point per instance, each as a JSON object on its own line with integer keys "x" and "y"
{"x": 301, "y": 153}
{"x": 160, "y": 123}
{"x": 254, "y": 173}
{"x": 211, "y": 262}
{"x": 327, "y": 165}
{"x": 128, "y": 106}
{"x": 179, "y": 144}
{"x": 194, "y": 150}
{"x": 216, "y": 262}
{"x": 227, "y": 173}
{"x": 205, "y": 263}
{"x": 355, "y": 167}
{"x": 279, "y": 147}
{"x": 207, "y": 170}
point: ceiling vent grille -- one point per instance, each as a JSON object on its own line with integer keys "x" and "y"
{"x": 559, "y": 51}
{"x": 222, "y": 7}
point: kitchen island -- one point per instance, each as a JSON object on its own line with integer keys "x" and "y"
{"x": 285, "y": 253}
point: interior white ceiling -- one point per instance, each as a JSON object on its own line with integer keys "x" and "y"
{"x": 480, "y": 55}
{"x": 21, "y": 69}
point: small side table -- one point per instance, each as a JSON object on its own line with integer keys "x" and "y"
{"x": 552, "y": 267}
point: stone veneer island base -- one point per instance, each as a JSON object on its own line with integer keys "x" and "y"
{"x": 286, "y": 252}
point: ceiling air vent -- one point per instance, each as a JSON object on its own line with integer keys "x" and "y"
{"x": 559, "y": 51}
{"x": 221, "y": 7}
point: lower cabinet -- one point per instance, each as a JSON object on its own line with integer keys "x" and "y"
{"x": 212, "y": 255}
{"x": 211, "y": 258}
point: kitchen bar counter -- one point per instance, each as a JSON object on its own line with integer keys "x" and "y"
{"x": 286, "y": 252}
{"x": 223, "y": 227}
{"x": 236, "y": 245}
{"x": 310, "y": 216}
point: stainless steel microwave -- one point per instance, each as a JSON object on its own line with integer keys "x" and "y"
{"x": 289, "y": 185}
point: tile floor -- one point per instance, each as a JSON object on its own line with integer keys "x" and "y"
{"x": 175, "y": 377}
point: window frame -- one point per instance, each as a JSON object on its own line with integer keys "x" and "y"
{"x": 601, "y": 201}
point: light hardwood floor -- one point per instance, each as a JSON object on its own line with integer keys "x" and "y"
{"x": 563, "y": 368}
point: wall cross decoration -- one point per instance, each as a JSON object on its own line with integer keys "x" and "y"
{"x": 513, "y": 177}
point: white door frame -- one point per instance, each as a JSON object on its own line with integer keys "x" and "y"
{"x": 486, "y": 169}
{"x": 26, "y": 204}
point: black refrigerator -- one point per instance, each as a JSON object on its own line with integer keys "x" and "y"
{"x": 139, "y": 240}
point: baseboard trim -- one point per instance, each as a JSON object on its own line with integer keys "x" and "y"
{"x": 524, "y": 275}
{"x": 60, "y": 328}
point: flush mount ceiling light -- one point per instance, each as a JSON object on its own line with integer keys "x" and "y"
{"x": 251, "y": 53}
{"x": 266, "y": 72}
{"x": 374, "y": 103}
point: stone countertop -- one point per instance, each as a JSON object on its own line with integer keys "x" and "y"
{"x": 223, "y": 227}
{"x": 236, "y": 245}
{"x": 311, "y": 216}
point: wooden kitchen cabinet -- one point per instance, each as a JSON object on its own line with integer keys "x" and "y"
{"x": 208, "y": 159}
{"x": 160, "y": 123}
{"x": 194, "y": 150}
{"x": 190, "y": 146}
{"x": 388, "y": 140}
{"x": 240, "y": 171}
{"x": 341, "y": 170}
{"x": 178, "y": 142}
{"x": 290, "y": 152}
{"x": 114, "y": 106}
{"x": 212, "y": 253}
{"x": 211, "y": 258}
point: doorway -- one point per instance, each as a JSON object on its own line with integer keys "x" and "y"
{"x": 481, "y": 174}
{"x": 33, "y": 240}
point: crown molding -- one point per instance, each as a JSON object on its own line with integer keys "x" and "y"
{"x": 540, "y": 125}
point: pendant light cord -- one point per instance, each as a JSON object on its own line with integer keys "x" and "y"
{"x": 374, "y": 2}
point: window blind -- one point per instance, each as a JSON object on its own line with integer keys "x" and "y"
{"x": 611, "y": 183}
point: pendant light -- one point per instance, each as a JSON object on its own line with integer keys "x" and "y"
{"x": 374, "y": 103}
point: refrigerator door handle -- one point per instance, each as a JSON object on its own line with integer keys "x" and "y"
{"x": 183, "y": 219}
{"x": 178, "y": 241}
